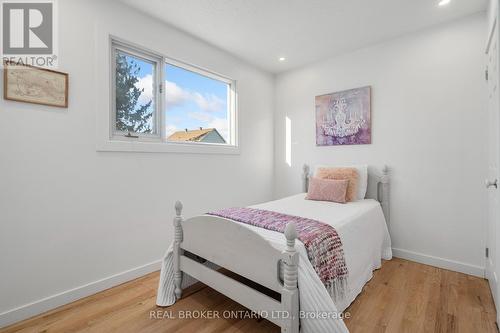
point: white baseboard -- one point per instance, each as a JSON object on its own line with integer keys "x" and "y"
{"x": 32, "y": 309}
{"x": 451, "y": 265}
{"x": 48, "y": 303}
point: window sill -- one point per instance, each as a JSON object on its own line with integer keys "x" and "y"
{"x": 163, "y": 147}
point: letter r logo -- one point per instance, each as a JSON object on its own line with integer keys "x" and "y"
{"x": 27, "y": 27}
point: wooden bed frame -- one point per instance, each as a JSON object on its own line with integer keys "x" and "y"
{"x": 240, "y": 250}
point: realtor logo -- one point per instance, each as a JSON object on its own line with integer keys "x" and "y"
{"x": 28, "y": 30}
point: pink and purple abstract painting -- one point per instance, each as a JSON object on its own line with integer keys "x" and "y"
{"x": 343, "y": 118}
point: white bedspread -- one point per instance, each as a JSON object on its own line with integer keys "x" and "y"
{"x": 365, "y": 238}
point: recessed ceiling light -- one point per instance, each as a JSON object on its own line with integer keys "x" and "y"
{"x": 444, "y": 2}
{"x": 282, "y": 59}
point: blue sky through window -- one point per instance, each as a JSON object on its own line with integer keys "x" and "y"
{"x": 194, "y": 101}
{"x": 191, "y": 99}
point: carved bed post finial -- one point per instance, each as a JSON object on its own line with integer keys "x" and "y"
{"x": 290, "y": 295}
{"x": 385, "y": 170}
{"x": 178, "y": 208}
{"x": 291, "y": 235}
{"x": 305, "y": 168}
{"x": 291, "y": 269}
{"x": 177, "y": 250}
{"x": 305, "y": 177}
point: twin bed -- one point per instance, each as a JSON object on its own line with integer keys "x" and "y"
{"x": 279, "y": 262}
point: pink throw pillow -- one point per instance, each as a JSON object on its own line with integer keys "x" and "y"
{"x": 350, "y": 174}
{"x": 327, "y": 189}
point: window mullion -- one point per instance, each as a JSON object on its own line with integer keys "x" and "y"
{"x": 161, "y": 98}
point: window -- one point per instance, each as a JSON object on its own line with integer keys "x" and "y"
{"x": 160, "y": 100}
{"x": 135, "y": 94}
{"x": 196, "y": 108}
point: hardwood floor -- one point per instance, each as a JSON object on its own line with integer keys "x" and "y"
{"x": 403, "y": 296}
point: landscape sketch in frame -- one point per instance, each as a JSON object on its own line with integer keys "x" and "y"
{"x": 343, "y": 118}
{"x": 23, "y": 83}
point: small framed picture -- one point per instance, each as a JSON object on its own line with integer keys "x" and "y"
{"x": 29, "y": 84}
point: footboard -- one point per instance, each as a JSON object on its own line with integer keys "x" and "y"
{"x": 237, "y": 248}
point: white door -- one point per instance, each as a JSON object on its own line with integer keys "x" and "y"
{"x": 493, "y": 229}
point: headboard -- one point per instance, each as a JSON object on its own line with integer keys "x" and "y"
{"x": 378, "y": 186}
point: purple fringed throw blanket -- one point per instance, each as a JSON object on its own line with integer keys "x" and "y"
{"x": 323, "y": 244}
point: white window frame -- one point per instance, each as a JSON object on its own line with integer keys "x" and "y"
{"x": 114, "y": 140}
{"x": 158, "y": 100}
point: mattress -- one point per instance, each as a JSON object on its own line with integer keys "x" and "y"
{"x": 361, "y": 226}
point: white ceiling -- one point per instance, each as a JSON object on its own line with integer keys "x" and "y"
{"x": 303, "y": 31}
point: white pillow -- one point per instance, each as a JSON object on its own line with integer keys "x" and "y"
{"x": 363, "y": 177}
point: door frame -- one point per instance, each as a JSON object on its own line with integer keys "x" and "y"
{"x": 492, "y": 265}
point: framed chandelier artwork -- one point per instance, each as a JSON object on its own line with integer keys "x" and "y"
{"x": 343, "y": 118}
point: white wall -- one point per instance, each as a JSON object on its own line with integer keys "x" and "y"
{"x": 429, "y": 125}
{"x": 71, "y": 215}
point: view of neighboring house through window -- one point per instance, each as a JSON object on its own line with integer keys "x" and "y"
{"x": 196, "y": 108}
{"x": 179, "y": 103}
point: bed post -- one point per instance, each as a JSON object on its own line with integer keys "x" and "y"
{"x": 384, "y": 200}
{"x": 305, "y": 178}
{"x": 290, "y": 294}
{"x": 177, "y": 250}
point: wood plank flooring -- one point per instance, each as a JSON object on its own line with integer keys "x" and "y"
{"x": 403, "y": 296}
